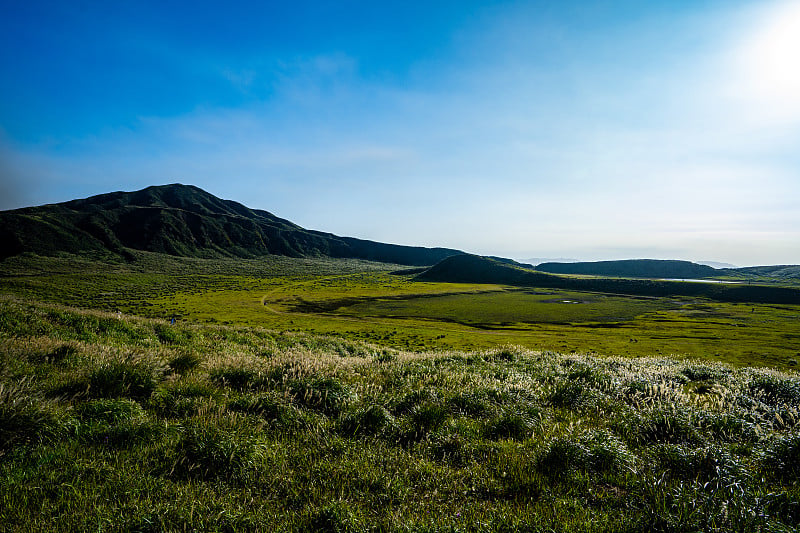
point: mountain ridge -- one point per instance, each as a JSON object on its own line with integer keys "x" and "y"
{"x": 183, "y": 220}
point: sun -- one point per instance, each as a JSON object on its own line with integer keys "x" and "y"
{"x": 770, "y": 60}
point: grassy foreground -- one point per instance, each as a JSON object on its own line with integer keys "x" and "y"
{"x": 116, "y": 423}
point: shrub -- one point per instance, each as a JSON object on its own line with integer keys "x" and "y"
{"x": 680, "y": 461}
{"x": 185, "y": 362}
{"x": 570, "y": 395}
{"x": 774, "y": 390}
{"x": 130, "y": 377}
{"x": 410, "y": 400}
{"x": 58, "y": 355}
{"x": 24, "y": 416}
{"x": 119, "y": 423}
{"x": 109, "y": 410}
{"x": 270, "y": 407}
{"x": 427, "y": 417}
{"x": 780, "y": 459}
{"x": 561, "y": 456}
{"x": 212, "y": 452}
{"x": 588, "y": 374}
{"x": 470, "y": 404}
{"x": 236, "y": 377}
{"x": 324, "y": 394}
{"x": 168, "y": 334}
{"x": 180, "y": 400}
{"x": 702, "y": 373}
{"x": 659, "y": 425}
{"x": 606, "y": 453}
{"x": 456, "y": 443}
{"x": 369, "y": 420}
{"x": 510, "y": 425}
{"x": 333, "y": 518}
{"x": 598, "y": 452}
{"x": 728, "y": 427}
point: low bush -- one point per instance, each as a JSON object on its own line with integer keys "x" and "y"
{"x": 368, "y": 420}
{"x": 730, "y": 427}
{"x": 780, "y": 458}
{"x": 185, "y": 362}
{"x": 775, "y": 391}
{"x": 236, "y": 377}
{"x": 212, "y": 452}
{"x": 569, "y": 394}
{"x": 179, "y": 400}
{"x": 130, "y": 377}
{"x": 58, "y": 355}
{"x": 25, "y": 417}
{"x": 271, "y": 407}
{"x": 599, "y": 452}
{"x": 325, "y": 394}
{"x": 111, "y": 411}
{"x": 685, "y": 462}
{"x": 510, "y": 425}
{"x": 659, "y": 424}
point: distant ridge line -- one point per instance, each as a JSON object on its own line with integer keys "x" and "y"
{"x": 183, "y": 220}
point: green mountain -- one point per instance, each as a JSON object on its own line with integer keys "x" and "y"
{"x": 634, "y": 268}
{"x": 182, "y": 220}
{"x": 475, "y": 269}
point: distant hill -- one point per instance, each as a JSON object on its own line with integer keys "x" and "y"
{"x": 475, "y": 269}
{"x": 469, "y": 268}
{"x": 634, "y": 268}
{"x": 182, "y": 220}
{"x": 778, "y": 272}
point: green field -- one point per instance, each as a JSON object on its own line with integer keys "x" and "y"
{"x": 358, "y": 300}
{"x": 325, "y": 395}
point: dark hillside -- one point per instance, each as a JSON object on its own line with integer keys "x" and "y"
{"x": 778, "y": 272}
{"x": 468, "y": 268}
{"x": 476, "y": 269}
{"x": 182, "y": 220}
{"x": 633, "y": 268}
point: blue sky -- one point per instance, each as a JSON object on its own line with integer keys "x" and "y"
{"x": 589, "y": 130}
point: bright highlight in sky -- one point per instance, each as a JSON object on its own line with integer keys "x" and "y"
{"x": 525, "y": 129}
{"x": 771, "y": 59}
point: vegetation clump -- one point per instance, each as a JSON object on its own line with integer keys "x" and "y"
{"x": 148, "y": 435}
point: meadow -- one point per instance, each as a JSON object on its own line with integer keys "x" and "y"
{"x": 383, "y": 304}
{"x": 322, "y": 395}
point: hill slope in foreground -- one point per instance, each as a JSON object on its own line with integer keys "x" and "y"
{"x": 182, "y": 220}
{"x": 209, "y": 428}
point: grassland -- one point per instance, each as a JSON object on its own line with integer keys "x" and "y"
{"x": 321, "y": 395}
{"x": 125, "y": 424}
{"x": 358, "y": 300}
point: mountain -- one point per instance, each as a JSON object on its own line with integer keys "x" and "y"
{"x": 634, "y": 268}
{"x": 182, "y": 220}
{"x": 476, "y": 269}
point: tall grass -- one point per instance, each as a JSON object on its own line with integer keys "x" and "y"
{"x": 125, "y": 429}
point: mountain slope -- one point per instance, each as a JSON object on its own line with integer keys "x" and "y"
{"x": 182, "y": 220}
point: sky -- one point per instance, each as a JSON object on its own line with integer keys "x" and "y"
{"x": 591, "y": 130}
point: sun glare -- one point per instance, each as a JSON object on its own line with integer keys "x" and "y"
{"x": 769, "y": 57}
